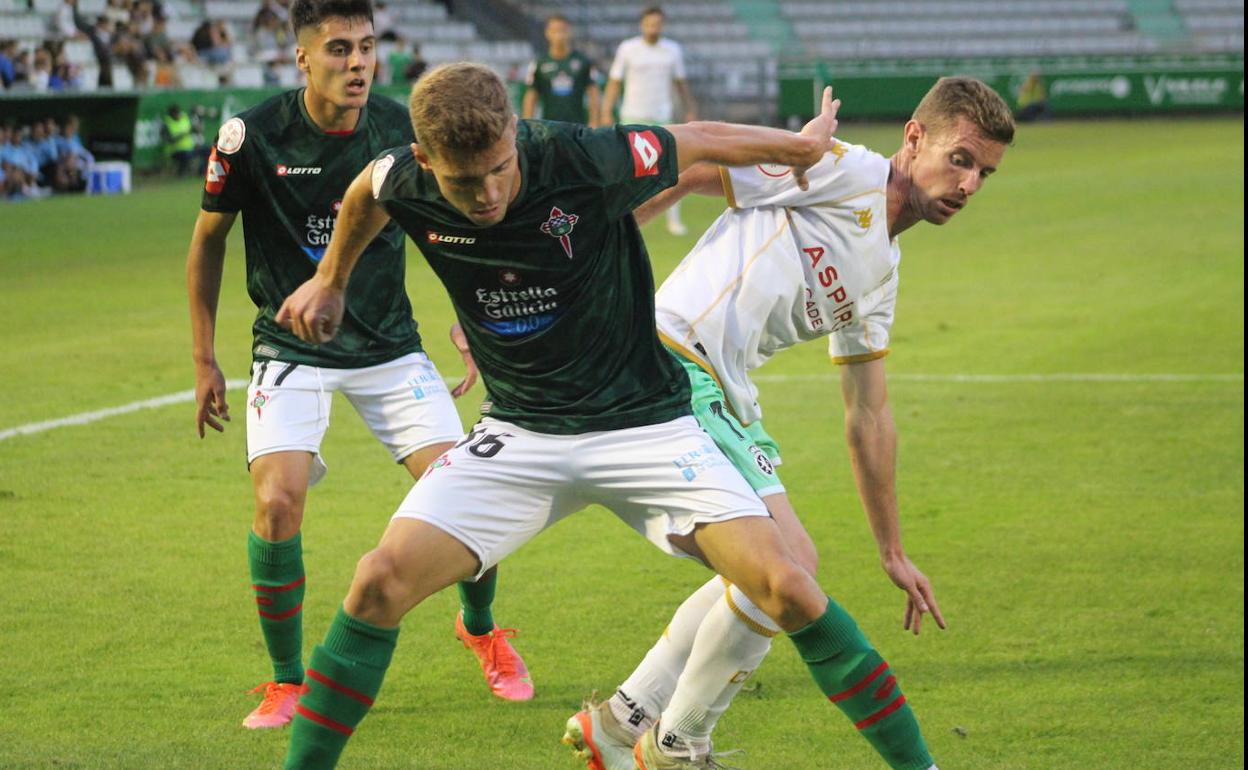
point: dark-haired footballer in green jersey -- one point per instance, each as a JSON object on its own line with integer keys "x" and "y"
{"x": 563, "y": 81}
{"x": 285, "y": 166}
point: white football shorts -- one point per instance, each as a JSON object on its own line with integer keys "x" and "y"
{"x": 404, "y": 402}
{"x": 502, "y": 485}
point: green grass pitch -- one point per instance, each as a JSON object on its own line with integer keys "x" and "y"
{"x": 1085, "y": 538}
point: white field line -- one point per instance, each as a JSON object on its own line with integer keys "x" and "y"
{"x": 187, "y": 396}
{"x": 84, "y": 418}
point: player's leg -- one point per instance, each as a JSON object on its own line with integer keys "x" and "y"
{"x": 486, "y": 497}
{"x": 413, "y": 560}
{"x": 285, "y": 423}
{"x": 745, "y": 631}
{"x": 406, "y": 404}
{"x": 849, "y": 671}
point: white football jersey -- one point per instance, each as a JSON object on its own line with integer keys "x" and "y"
{"x": 647, "y": 72}
{"x": 783, "y": 266}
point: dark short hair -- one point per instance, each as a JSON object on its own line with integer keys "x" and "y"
{"x": 652, "y": 9}
{"x": 310, "y": 13}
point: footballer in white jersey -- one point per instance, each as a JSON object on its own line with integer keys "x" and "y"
{"x": 785, "y": 265}
{"x": 781, "y": 266}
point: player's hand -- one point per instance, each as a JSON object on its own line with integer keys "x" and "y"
{"x": 822, "y": 129}
{"x": 313, "y": 312}
{"x": 470, "y": 366}
{"x": 919, "y": 596}
{"x": 210, "y": 406}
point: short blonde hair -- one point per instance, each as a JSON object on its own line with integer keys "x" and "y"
{"x": 459, "y": 109}
{"x": 953, "y": 98}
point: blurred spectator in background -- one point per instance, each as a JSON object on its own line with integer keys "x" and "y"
{"x": 21, "y": 68}
{"x": 416, "y": 66}
{"x": 43, "y": 148}
{"x": 117, "y": 12}
{"x": 19, "y": 164}
{"x": 383, "y": 22}
{"x": 69, "y": 143}
{"x": 41, "y": 74}
{"x": 178, "y": 137}
{"x": 561, "y": 81}
{"x": 7, "y": 51}
{"x": 270, "y": 38}
{"x": 1033, "y": 99}
{"x": 212, "y": 43}
{"x": 64, "y": 23}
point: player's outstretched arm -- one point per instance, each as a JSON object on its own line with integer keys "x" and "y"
{"x": 205, "y": 261}
{"x": 314, "y": 310}
{"x": 700, "y": 179}
{"x": 872, "y": 437}
{"x": 731, "y": 144}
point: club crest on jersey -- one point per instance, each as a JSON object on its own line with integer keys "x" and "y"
{"x": 559, "y": 226}
{"x": 508, "y": 277}
{"x": 864, "y": 218}
{"x": 258, "y": 402}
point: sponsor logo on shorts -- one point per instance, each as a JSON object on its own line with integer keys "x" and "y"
{"x": 258, "y": 402}
{"x": 267, "y": 351}
{"x": 425, "y": 384}
{"x": 559, "y": 226}
{"x": 441, "y": 462}
{"x": 762, "y": 461}
{"x": 696, "y": 462}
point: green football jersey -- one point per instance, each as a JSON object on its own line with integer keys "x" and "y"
{"x": 557, "y": 299}
{"x": 561, "y": 85}
{"x": 287, "y": 177}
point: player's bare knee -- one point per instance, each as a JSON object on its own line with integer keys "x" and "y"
{"x": 377, "y": 593}
{"x": 279, "y": 513}
{"x": 795, "y": 599}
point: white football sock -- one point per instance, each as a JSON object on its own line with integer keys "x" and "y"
{"x": 644, "y": 695}
{"x": 732, "y": 642}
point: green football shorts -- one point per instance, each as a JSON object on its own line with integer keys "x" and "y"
{"x": 754, "y": 453}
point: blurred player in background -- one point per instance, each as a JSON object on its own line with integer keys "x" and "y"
{"x": 284, "y": 164}
{"x": 528, "y": 224}
{"x": 651, "y": 69}
{"x": 564, "y": 81}
{"x": 783, "y": 266}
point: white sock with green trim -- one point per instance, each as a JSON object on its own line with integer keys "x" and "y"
{"x": 734, "y": 638}
{"x": 644, "y": 695}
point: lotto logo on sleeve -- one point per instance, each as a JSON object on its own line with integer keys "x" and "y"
{"x": 646, "y": 152}
{"x": 218, "y": 170}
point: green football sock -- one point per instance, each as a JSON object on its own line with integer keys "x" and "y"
{"x": 344, "y": 675}
{"x": 854, "y": 677}
{"x": 278, "y": 580}
{"x": 476, "y": 600}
